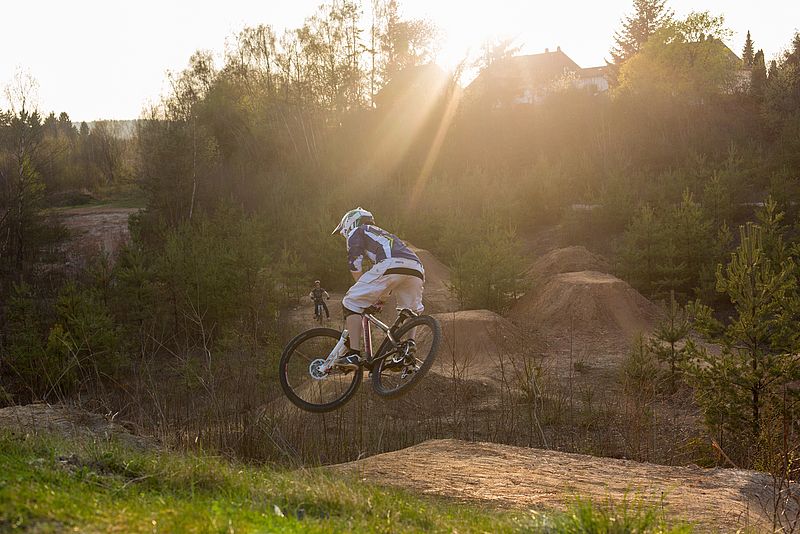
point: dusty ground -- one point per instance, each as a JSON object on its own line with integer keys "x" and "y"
{"x": 95, "y": 229}
{"x": 715, "y": 499}
{"x": 70, "y": 421}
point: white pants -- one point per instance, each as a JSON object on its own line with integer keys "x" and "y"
{"x": 375, "y": 285}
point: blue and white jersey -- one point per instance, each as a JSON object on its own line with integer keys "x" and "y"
{"x": 377, "y": 245}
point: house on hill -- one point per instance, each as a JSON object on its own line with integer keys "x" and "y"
{"x": 593, "y": 79}
{"x": 528, "y": 79}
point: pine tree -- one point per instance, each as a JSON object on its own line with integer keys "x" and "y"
{"x": 770, "y": 218}
{"x": 691, "y": 232}
{"x": 757, "y": 348}
{"x": 643, "y": 251}
{"x": 758, "y": 76}
{"x": 773, "y": 70}
{"x": 673, "y": 328}
{"x": 747, "y": 53}
{"x": 647, "y": 18}
{"x": 793, "y": 55}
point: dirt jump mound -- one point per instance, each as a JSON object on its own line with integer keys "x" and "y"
{"x": 567, "y": 260}
{"x": 474, "y": 342}
{"x": 718, "y": 500}
{"x": 437, "y": 297}
{"x": 587, "y": 304}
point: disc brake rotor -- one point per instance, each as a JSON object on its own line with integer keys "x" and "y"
{"x": 315, "y": 370}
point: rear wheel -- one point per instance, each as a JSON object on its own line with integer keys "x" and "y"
{"x": 303, "y": 382}
{"x": 400, "y": 368}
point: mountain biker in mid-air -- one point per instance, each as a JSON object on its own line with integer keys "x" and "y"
{"x": 395, "y": 269}
{"x": 318, "y": 295}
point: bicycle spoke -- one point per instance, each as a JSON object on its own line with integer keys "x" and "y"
{"x": 392, "y": 379}
{"x": 303, "y": 355}
{"x": 301, "y": 378}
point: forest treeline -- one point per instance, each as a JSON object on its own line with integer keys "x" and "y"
{"x": 245, "y": 167}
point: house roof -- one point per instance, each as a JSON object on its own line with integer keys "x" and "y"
{"x": 592, "y": 72}
{"x": 533, "y": 67}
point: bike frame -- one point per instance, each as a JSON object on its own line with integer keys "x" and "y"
{"x": 367, "y": 320}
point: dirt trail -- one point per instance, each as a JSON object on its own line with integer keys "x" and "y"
{"x": 715, "y": 499}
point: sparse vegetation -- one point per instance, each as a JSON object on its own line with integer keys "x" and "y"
{"x": 241, "y": 171}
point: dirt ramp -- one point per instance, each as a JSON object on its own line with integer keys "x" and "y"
{"x": 474, "y": 341}
{"x": 437, "y": 297}
{"x": 587, "y": 304}
{"x": 716, "y": 499}
{"x": 567, "y": 260}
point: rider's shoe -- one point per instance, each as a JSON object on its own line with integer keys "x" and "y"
{"x": 403, "y": 359}
{"x": 349, "y": 361}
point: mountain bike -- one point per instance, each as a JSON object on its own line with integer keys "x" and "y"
{"x": 312, "y": 381}
{"x": 318, "y": 311}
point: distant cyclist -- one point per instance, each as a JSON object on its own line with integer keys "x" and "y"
{"x": 319, "y": 296}
{"x": 395, "y": 269}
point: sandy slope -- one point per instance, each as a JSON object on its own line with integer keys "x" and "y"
{"x": 716, "y": 499}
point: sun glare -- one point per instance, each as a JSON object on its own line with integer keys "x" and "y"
{"x": 464, "y": 34}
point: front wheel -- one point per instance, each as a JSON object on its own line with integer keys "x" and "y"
{"x": 303, "y": 382}
{"x": 399, "y": 368}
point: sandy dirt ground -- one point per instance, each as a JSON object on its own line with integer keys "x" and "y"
{"x": 714, "y": 499}
{"x": 95, "y": 229}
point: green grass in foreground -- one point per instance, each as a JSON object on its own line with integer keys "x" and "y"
{"x": 50, "y": 485}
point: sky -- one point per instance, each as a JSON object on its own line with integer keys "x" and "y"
{"x": 106, "y": 59}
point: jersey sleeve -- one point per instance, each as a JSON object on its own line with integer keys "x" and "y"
{"x": 356, "y": 250}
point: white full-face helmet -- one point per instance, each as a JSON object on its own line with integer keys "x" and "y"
{"x": 352, "y": 220}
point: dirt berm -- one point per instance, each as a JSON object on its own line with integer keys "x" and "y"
{"x": 714, "y": 499}
{"x": 586, "y": 305}
{"x": 566, "y": 260}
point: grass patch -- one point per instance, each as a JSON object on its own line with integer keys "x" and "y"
{"x": 51, "y": 485}
{"x": 127, "y": 196}
{"x": 629, "y": 516}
